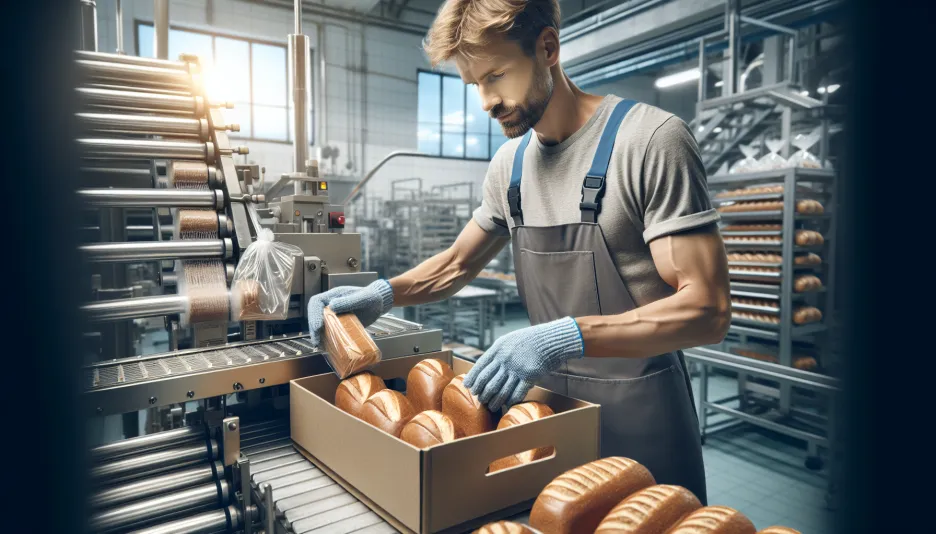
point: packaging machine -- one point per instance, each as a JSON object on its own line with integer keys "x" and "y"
{"x": 168, "y": 217}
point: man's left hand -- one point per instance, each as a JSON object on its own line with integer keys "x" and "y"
{"x": 505, "y": 373}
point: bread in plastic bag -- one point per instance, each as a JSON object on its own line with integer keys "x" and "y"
{"x": 805, "y": 158}
{"x": 349, "y": 348}
{"x": 263, "y": 280}
{"x": 749, "y": 163}
{"x": 772, "y": 160}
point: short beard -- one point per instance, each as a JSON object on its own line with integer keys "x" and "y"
{"x": 531, "y": 111}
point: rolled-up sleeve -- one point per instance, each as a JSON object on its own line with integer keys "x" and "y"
{"x": 490, "y": 214}
{"x": 674, "y": 183}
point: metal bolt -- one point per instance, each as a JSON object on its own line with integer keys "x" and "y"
{"x": 263, "y": 380}
{"x": 152, "y": 400}
{"x": 99, "y": 410}
{"x": 190, "y": 394}
{"x": 312, "y": 267}
{"x": 416, "y": 348}
{"x": 232, "y": 426}
{"x": 352, "y": 262}
{"x": 238, "y": 386}
{"x": 319, "y": 214}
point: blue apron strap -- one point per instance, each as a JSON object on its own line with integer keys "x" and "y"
{"x": 513, "y": 192}
{"x": 593, "y": 187}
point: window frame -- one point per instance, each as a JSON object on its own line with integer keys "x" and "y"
{"x": 250, "y": 42}
{"x": 489, "y": 136}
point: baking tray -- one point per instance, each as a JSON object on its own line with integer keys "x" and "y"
{"x": 773, "y": 310}
{"x": 737, "y": 274}
{"x": 745, "y": 198}
{"x": 755, "y": 233}
{"x": 765, "y": 215}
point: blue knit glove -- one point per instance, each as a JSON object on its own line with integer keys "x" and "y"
{"x": 368, "y": 303}
{"x": 506, "y": 372}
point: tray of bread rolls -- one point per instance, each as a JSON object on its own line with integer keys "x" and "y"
{"x": 806, "y": 206}
{"x": 759, "y": 306}
{"x": 800, "y": 361}
{"x": 747, "y": 230}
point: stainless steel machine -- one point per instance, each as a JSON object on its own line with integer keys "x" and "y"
{"x": 204, "y": 444}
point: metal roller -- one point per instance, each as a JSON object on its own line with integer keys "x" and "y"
{"x": 154, "y": 462}
{"x": 151, "y": 198}
{"x": 145, "y": 124}
{"x": 135, "y": 308}
{"x": 123, "y": 73}
{"x": 161, "y": 250}
{"x": 148, "y": 443}
{"x": 142, "y": 101}
{"x": 132, "y": 60}
{"x": 146, "y": 149}
{"x": 151, "y": 486}
{"x": 199, "y": 498}
{"x": 205, "y": 522}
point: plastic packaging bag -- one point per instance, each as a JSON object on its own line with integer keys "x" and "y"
{"x": 263, "y": 280}
{"x": 749, "y": 163}
{"x": 805, "y": 158}
{"x": 773, "y": 159}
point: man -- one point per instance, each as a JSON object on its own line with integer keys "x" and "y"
{"x": 618, "y": 258}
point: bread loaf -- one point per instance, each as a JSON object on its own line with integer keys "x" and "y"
{"x": 778, "y": 530}
{"x": 807, "y": 259}
{"x": 350, "y": 348}
{"x": 425, "y": 383}
{"x": 505, "y": 527}
{"x": 806, "y": 314}
{"x": 809, "y": 206}
{"x": 650, "y": 511}
{"x": 520, "y": 415}
{"x": 714, "y": 520}
{"x": 806, "y": 238}
{"x": 767, "y": 205}
{"x": 352, "y": 392}
{"x": 752, "y": 228}
{"x": 464, "y": 409}
{"x": 577, "y": 500}
{"x": 806, "y": 282}
{"x": 388, "y": 410}
{"x": 428, "y": 429}
{"x": 805, "y": 363}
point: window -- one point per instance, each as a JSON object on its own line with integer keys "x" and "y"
{"x": 251, "y": 74}
{"x": 452, "y": 122}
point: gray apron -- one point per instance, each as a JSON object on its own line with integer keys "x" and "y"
{"x": 647, "y": 410}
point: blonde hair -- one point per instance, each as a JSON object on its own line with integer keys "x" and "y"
{"x": 463, "y": 26}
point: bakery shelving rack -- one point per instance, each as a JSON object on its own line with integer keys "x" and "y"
{"x": 774, "y": 394}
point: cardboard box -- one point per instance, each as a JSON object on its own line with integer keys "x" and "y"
{"x": 446, "y": 486}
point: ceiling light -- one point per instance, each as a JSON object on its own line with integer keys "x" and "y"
{"x": 719, "y": 83}
{"x": 833, "y": 88}
{"x": 821, "y": 90}
{"x": 677, "y": 78}
{"x": 701, "y": 128}
{"x": 718, "y": 129}
{"x": 804, "y": 92}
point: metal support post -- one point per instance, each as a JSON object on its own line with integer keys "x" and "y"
{"x": 161, "y": 28}
{"x": 120, "y": 48}
{"x": 732, "y": 22}
{"x": 703, "y": 72}
{"x": 88, "y": 26}
{"x": 786, "y": 288}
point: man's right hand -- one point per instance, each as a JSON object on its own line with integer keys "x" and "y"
{"x": 368, "y": 303}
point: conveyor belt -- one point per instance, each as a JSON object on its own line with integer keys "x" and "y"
{"x": 305, "y": 499}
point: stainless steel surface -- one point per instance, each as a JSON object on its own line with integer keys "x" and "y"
{"x": 161, "y": 28}
{"x": 134, "y": 308}
{"x": 293, "y": 478}
{"x": 320, "y": 506}
{"x": 231, "y": 432}
{"x": 88, "y": 30}
{"x": 144, "y": 149}
{"x": 151, "y": 198}
{"x": 335, "y": 519}
{"x": 131, "y": 60}
{"x": 348, "y": 279}
{"x": 304, "y": 499}
{"x": 299, "y": 48}
{"x": 150, "y": 486}
{"x": 205, "y": 522}
{"x": 125, "y": 385}
{"x": 154, "y": 462}
{"x": 367, "y": 177}
{"x": 165, "y": 506}
{"x": 281, "y": 471}
{"x": 131, "y": 75}
{"x": 148, "y": 442}
{"x": 140, "y": 101}
{"x": 162, "y": 250}
{"x": 144, "y": 124}
{"x": 269, "y": 446}
{"x": 276, "y": 463}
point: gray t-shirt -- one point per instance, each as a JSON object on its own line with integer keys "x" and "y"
{"x": 655, "y": 186}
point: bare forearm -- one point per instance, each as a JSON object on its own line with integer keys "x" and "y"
{"x": 682, "y": 320}
{"x": 444, "y": 274}
{"x": 437, "y": 278}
